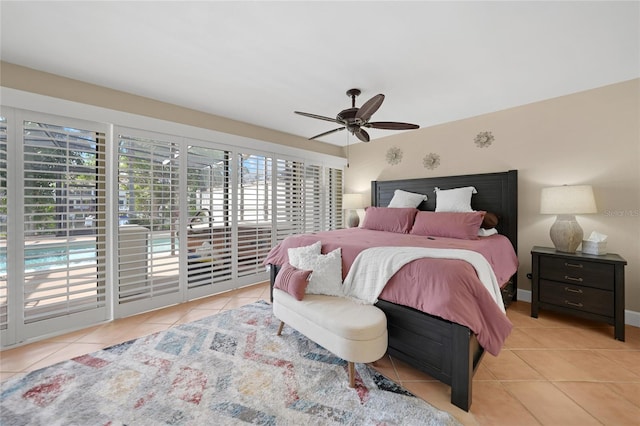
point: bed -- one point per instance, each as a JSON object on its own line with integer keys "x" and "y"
{"x": 445, "y": 349}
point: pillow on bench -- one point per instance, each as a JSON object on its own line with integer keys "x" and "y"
{"x": 326, "y": 275}
{"x": 292, "y": 280}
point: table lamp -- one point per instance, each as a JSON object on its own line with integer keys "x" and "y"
{"x": 351, "y": 202}
{"x": 567, "y": 201}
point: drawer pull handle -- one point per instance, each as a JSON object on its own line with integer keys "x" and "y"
{"x": 573, "y": 265}
{"x": 577, "y": 305}
{"x": 566, "y": 277}
{"x": 573, "y": 290}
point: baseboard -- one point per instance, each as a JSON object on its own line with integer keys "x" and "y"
{"x": 630, "y": 317}
{"x": 524, "y": 295}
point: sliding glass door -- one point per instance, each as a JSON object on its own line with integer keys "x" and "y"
{"x": 4, "y": 284}
{"x": 148, "y": 211}
{"x": 100, "y": 222}
{"x": 63, "y": 224}
{"x": 209, "y": 226}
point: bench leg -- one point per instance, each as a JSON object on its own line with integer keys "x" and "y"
{"x": 352, "y": 374}
{"x": 280, "y": 328}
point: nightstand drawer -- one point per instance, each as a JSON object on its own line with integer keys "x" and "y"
{"x": 576, "y": 271}
{"x": 581, "y": 298}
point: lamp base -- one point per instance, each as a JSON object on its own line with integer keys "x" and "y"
{"x": 566, "y": 233}
{"x": 353, "y": 220}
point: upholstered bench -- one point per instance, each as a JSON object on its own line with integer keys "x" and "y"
{"x": 352, "y": 331}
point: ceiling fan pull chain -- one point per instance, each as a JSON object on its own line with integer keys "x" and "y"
{"x": 347, "y": 150}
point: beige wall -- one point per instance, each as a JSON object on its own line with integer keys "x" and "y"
{"x": 591, "y": 137}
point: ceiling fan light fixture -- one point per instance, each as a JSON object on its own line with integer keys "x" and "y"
{"x": 353, "y": 119}
{"x": 353, "y": 128}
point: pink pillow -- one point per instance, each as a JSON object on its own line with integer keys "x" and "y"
{"x": 390, "y": 219}
{"x": 448, "y": 224}
{"x": 292, "y": 280}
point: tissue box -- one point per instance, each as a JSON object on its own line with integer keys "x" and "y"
{"x": 594, "y": 247}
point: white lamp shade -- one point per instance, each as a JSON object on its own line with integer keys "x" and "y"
{"x": 575, "y": 199}
{"x": 352, "y": 201}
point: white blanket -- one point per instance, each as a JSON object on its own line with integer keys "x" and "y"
{"x": 373, "y": 267}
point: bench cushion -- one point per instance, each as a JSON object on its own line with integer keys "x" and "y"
{"x": 343, "y": 317}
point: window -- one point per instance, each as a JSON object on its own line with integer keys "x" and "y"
{"x": 254, "y": 217}
{"x": 181, "y": 217}
{"x": 333, "y": 213}
{"x": 313, "y": 198}
{"x": 209, "y": 231}
{"x": 289, "y": 198}
{"x": 148, "y": 188}
{"x": 3, "y": 225}
{"x": 64, "y": 214}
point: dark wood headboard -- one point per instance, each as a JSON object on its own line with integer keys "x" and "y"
{"x": 497, "y": 193}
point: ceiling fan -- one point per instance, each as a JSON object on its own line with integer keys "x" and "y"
{"x": 354, "y": 119}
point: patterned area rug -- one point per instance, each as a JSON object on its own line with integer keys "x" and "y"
{"x": 226, "y": 369}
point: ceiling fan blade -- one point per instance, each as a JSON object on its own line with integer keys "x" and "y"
{"x": 327, "y": 133}
{"x": 368, "y": 108}
{"x": 362, "y": 135}
{"x": 391, "y": 125}
{"x": 319, "y": 117}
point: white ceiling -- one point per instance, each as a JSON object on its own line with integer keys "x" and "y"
{"x": 257, "y": 62}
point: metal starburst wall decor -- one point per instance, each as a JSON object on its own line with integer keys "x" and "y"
{"x": 431, "y": 161}
{"x": 394, "y": 156}
{"x": 483, "y": 139}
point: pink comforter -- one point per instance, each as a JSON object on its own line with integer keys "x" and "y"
{"x": 447, "y": 288}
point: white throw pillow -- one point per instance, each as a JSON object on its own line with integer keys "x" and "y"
{"x": 326, "y": 277}
{"x": 454, "y": 200}
{"x": 406, "y": 199}
{"x": 303, "y": 252}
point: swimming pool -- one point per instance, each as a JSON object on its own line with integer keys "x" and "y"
{"x": 60, "y": 257}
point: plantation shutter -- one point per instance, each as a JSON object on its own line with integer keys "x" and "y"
{"x": 333, "y": 184}
{"x": 289, "y": 201}
{"x": 64, "y": 221}
{"x": 209, "y": 231}
{"x": 4, "y": 290}
{"x": 254, "y": 218}
{"x": 313, "y": 198}
{"x": 148, "y": 262}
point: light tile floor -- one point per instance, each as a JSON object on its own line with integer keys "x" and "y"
{"x": 554, "y": 370}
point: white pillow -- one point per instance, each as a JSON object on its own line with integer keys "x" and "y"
{"x": 454, "y": 200}
{"x": 406, "y": 199}
{"x": 298, "y": 252}
{"x": 326, "y": 277}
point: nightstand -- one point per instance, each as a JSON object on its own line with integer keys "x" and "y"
{"x": 584, "y": 285}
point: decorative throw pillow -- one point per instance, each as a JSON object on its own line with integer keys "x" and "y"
{"x": 406, "y": 199}
{"x": 454, "y": 200}
{"x": 448, "y": 224}
{"x": 298, "y": 252}
{"x": 490, "y": 220}
{"x": 326, "y": 277}
{"x": 399, "y": 220}
{"x": 292, "y": 280}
